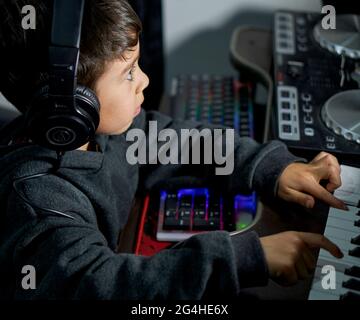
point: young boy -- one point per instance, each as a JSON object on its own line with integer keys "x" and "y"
{"x": 76, "y": 258}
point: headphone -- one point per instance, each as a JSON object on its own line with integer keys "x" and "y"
{"x": 63, "y": 115}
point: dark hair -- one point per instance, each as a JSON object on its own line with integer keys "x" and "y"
{"x": 109, "y": 29}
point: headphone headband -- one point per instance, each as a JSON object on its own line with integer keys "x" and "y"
{"x": 63, "y": 115}
{"x": 64, "y": 50}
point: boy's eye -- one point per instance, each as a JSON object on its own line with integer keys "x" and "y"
{"x": 130, "y": 75}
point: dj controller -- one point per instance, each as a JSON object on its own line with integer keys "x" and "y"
{"x": 317, "y": 83}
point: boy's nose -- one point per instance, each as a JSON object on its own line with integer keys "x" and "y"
{"x": 144, "y": 82}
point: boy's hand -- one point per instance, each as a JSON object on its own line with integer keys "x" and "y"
{"x": 300, "y": 182}
{"x": 289, "y": 257}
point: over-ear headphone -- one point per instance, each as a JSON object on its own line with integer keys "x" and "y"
{"x": 62, "y": 115}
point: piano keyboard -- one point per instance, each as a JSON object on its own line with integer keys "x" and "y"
{"x": 342, "y": 228}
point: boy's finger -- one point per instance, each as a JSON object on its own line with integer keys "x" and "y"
{"x": 301, "y": 198}
{"x": 314, "y": 240}
{"x": 328, "y": 172}
{"x": 322, "y": 194}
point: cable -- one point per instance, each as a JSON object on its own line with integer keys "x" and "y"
{"x": 38, "y": 175}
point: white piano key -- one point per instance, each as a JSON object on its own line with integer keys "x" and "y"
{"x": 345, "y": 215}
{"x": 345, "y": 246}
{"x": 349, "y": 191}
{"x": 346, "y": 259}
{"x": 340, "y": 277}
{"x": 322, "y": 295}
{"x": 343, "y": 224}
{"x": 331, "y": 232}
{"x": 338, "y": 291}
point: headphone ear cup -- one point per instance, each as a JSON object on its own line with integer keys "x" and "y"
{"x": 65, "y": 128}
{"x": 88, "y": 103}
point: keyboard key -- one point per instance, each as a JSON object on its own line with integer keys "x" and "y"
{"x": 355, "y": 252}
{"x": 352, "y": 284}
{"x": 350, "y": 296}
{"x": 353, "y": 271}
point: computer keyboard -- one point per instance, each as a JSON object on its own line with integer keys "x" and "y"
{"x": 185, "y": 212}
{"x": 214, "y": 99}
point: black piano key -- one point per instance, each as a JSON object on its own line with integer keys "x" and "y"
{"x": 357, "y": 223}
{"x": 354, "y": 271}
{"x": 353, "y": 284}
{"x": 355, "y": 252}
{"x": 356, "y": 240}
{"x": 350, "y": 296}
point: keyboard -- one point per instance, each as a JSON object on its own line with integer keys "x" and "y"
{"x": 220, "y": 100}
{"x": 343, "y": 228}
{"x": 185, "y": 212}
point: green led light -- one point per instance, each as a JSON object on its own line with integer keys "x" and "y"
{"x": 240, "y": 226}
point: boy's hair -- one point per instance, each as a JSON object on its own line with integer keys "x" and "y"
{"x": 109, "y": 28}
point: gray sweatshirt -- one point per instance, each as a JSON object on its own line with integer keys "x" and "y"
{"x": 77, "y": 259}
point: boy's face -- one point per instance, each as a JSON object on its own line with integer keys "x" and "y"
{"x": 120, "y": 91}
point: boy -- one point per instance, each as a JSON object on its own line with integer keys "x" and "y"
{"x": 75, "y": 255}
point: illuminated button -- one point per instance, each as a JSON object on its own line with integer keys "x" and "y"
{"x": 308, "y": 120}
{"x": 306, "y": 97}
{"x": 302, "y": 47}
{"x": 307, "y": 107}
{"x": 331, "y": 146}
{"x": 309, "y": 132}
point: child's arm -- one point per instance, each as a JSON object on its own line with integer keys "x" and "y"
{"x": 255, "y": 166}
{"x": 270, "y": 169}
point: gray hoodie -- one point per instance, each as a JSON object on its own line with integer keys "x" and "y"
{"x": 76, "y": 258}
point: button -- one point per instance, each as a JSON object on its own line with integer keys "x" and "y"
{"x": 286, "y": 128}
{"x": 307, "y": 108}
{"x": 301, "y": 21}
{"x": 285, "y": 94}
{"x": 308, "y": 120}
{"x": 285, "y": 105}
{"x": 309, "y": 132}
{"x": 331, "y": 146}
{"x": 302, "y": 39}
{"x": 306, "y": 97}
{"x": 283, "y": 26}
{"x": 283, "y": 18}
{"x": 283, "y": 35}
{"x": 302, "y": 47}
{"x": 330, "y": 139}
{"x": 286, "y": 116}
{"x": 353, "y": 271}
{"x": 353, "y": 284}
{"x": 283, "y": 44}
